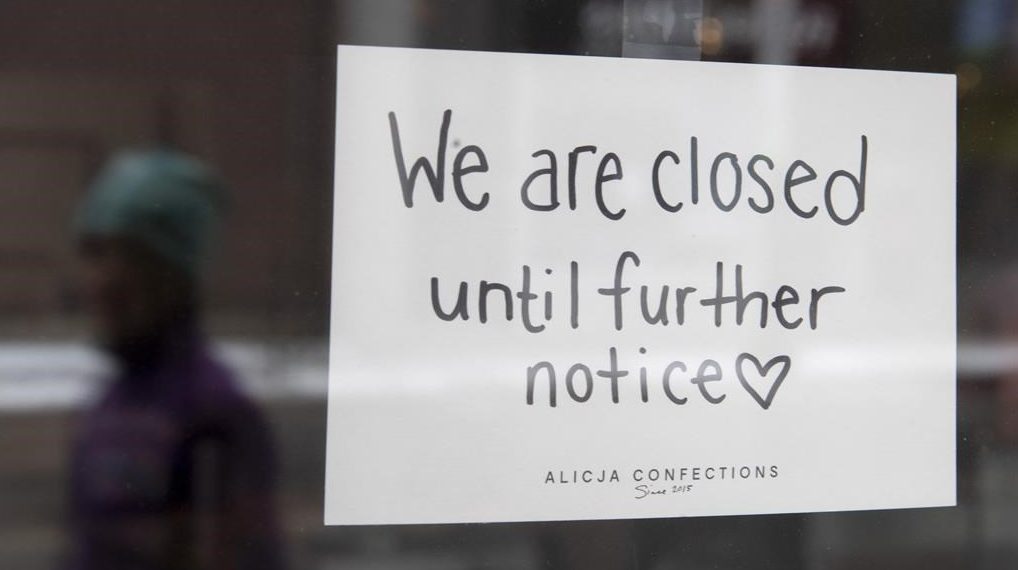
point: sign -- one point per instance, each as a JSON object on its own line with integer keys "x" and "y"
{"x": 591, "y": 288}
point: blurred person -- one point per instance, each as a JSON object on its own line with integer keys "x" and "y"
{"x": 173, "y": 466}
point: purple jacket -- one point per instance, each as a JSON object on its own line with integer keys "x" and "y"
{"x": 174, "y": 468}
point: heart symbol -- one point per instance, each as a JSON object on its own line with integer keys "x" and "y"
{"x": 763, "y": 369}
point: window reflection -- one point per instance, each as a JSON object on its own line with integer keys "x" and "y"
{"x": 92, "y": 471}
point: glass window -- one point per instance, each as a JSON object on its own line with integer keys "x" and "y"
{"x": 163, "y": 370}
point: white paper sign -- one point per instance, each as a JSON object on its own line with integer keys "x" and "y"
{"x": 591, "y": 288}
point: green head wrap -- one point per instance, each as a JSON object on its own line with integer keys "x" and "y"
{"x": 168, "y": 201}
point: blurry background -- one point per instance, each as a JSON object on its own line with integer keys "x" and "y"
{"x": 249, "y": 86}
